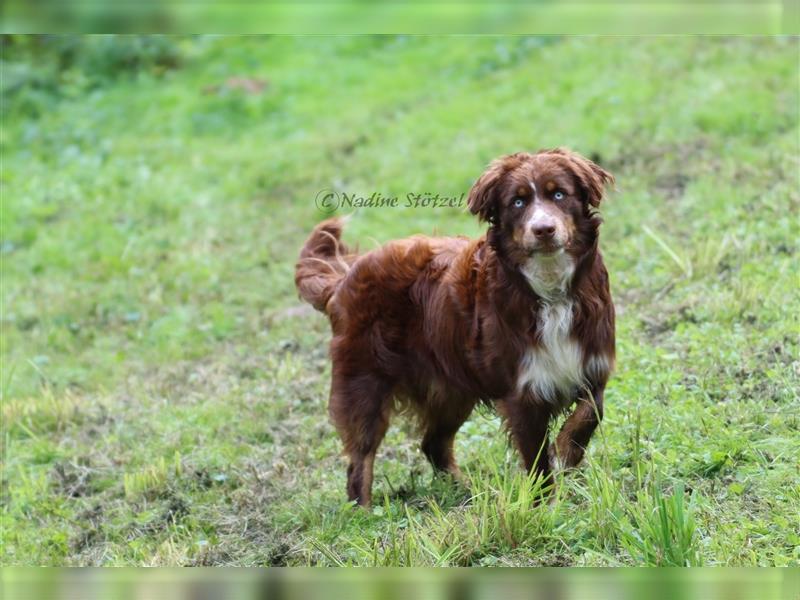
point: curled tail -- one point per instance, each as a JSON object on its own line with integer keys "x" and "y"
{"x": 324, "y": 261}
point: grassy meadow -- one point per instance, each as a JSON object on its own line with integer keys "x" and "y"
{"x": 164, "y": 391}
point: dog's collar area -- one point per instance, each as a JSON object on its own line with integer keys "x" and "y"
{"x": 550, "y": 277}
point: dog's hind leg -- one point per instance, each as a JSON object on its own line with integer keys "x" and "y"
{"x": 360, "y": 407}
{"x": 570, "y": 445}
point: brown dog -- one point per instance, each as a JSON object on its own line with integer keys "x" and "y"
{"x": 521, "y": 317}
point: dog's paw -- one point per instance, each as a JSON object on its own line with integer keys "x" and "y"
{"x": 557, "y": 463}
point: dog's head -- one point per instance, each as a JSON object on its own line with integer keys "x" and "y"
{"x": 540, "y": 205}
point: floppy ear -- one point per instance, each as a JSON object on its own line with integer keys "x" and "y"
{"x": 593, "y": 178}
{"x": 482, "y": 200}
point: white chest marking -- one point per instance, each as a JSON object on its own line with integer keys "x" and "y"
{"x": 553, "y": 368}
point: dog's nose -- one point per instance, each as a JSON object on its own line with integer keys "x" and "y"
{"x": 543, "y": 231}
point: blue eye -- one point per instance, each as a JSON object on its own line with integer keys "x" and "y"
{"x": 519, "y": 203}
{"x": 558, "y": 195}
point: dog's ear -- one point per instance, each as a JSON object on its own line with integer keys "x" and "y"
{"x": 593, "y": 178}
{"x": 482, "y": 200}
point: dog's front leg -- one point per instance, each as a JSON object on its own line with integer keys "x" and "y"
{"x": 528, "y": 420}
{"x": 570, "y": 445}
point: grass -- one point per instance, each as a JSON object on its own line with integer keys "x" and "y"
{"x": 164, "y": 392}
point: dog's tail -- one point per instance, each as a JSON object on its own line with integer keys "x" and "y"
{"x": 324, "y": 261}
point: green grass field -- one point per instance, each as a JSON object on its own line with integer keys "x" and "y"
{"x": 164, "y": 391}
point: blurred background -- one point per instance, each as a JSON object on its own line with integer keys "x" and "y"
{"x": 302, "y": 584}
{"x": 387, "y": 16}
{"x": 164, "y": 391}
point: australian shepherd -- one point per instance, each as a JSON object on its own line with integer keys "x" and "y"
{"x": 521, "y": 318}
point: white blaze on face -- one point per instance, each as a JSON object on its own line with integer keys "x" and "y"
{"x": 539, "y": 215}
{"x": 535, "y": 192}
{"x": 542, "y": 215}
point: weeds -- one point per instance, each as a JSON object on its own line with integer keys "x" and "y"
{"x": 660, "y": 530}
{"x": 152, "y": 479}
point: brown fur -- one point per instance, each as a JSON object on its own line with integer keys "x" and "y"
{"x": 444, "y": 323}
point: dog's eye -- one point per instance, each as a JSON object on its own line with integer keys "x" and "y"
{"x": 519, "y": 202}
{"x": 558, "y": 195}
